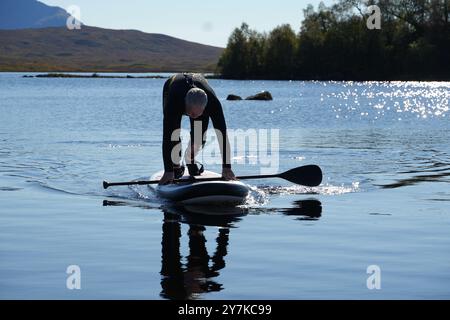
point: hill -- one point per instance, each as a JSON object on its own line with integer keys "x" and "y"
{"x": 21, "y": 14}
{"x": 94, "y": 49}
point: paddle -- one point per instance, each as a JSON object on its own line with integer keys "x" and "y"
{"x": 310, "y": 176}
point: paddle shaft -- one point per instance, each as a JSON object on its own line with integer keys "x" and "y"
{"x": 106, "y": 185}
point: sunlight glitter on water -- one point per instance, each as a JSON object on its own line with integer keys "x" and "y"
{"x": 418, "y": 99}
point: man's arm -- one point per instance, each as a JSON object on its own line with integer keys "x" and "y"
{"x": 219, "y": 123}
{"x": 197, "y": 142}
{"x": 171, "y": 124}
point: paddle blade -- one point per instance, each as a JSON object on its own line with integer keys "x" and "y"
{"x": 310, "y": 176}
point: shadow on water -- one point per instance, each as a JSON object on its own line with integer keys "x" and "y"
{"x": 197, "y": 274}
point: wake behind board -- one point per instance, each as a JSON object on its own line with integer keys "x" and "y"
{"x": 196, "y": 192}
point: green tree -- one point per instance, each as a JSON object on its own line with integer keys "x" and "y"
{"x": 335, "y": 43}
{"x": 233, "y": 60}
{"x": 243, "y": 57}
{"x": 280, "y": 53}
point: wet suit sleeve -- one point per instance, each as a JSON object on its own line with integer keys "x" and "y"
{"x": 171, "y": 123}
{"x": 218, "y": 120}
{"x": 204, "y": 119}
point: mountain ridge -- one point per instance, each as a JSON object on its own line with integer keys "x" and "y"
{"x": 24, "y": 14}
{"x": 34, "y": 37}
{"x": 93, "y": 49}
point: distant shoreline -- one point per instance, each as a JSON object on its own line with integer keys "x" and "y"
{"x": 94, "y": 75}
{"x": 105, "y": 75}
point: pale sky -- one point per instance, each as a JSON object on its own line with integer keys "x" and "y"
{"x": 209, "y": 22}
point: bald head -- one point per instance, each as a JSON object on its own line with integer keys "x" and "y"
{"x": 196, "y": 101}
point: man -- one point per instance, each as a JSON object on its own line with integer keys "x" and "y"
{"x": 191, "y": 95}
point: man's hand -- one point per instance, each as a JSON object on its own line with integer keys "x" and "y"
{"x": 228, "y": 174}
{"x": 167, "y": 178}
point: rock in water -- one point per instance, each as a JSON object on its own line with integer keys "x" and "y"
{"x": 263, "y": 96}
{"x": 233, "y": 97}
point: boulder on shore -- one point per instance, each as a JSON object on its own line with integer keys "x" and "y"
{"x": 233, "y": 97}
{"x": 262, "y": 96}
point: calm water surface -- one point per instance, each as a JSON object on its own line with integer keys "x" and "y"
{"x": 384, "y": 149}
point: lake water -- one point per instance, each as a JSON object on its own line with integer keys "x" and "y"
{"x": 385, "y": 201}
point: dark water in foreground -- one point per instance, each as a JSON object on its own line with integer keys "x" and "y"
{"x": 384, "y": 149}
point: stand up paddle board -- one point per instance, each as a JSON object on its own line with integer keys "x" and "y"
{"x": 196, "y": 192}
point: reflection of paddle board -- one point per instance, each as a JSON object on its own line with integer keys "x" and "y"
{"x": 203, "y": 193}
{"x": 207, "y": 216}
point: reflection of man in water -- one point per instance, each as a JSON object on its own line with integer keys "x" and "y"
{"x": 189, "y": 280}
{"x": 181, "y": 282}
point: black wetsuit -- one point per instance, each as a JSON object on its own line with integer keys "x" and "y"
{"x": 174, "y": 93}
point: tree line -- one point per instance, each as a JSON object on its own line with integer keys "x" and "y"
{"x": 335, "y": 43}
